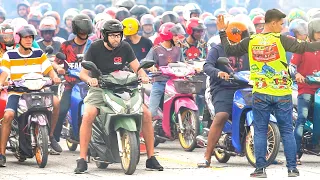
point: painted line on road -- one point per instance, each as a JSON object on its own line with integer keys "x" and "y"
{"x": 184, "y": 163}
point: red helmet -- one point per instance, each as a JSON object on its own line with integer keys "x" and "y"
{"x": 169, "y": 29}
{"x": 259, "y": 19}
{"x": 194, "y": 24}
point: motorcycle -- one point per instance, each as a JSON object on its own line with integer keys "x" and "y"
{"x": 311, "y": 128}
{"x": 29, "y": 135}
{"x": 237, "y": 135}
{"x": 178, "y": 118}
{"x": 115, "y": 132}
{"x": 74, "y": 116}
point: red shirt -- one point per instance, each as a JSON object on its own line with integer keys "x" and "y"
{"x": 307, "y": 63}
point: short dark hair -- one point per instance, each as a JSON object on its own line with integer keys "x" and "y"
{"x": 274, "y": 15}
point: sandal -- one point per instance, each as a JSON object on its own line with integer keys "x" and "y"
{"x": 204, "y": 164}
{"x": 277, "y": 162}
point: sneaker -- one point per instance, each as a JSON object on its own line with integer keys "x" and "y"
{"x": 82, "y": 166}
{"x": 293, "y": 173}
{"x": 259, "y": 173}
{"x": 2, "y": 161}
{"x": 55, "y": 145}
{"x": 153, "y": 164}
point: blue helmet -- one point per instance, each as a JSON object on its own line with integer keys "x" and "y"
{"x": 298, "y": 26}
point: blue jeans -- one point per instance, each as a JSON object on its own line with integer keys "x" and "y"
{"x": 263, "y": 106}
{"x": 156, "y": 94}
{"x": 304, "y": 103}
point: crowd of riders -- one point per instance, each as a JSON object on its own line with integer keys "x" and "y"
{"x": 182, "y": 34}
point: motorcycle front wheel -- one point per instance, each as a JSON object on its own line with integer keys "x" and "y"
{"x": 41, "y": 150}
{"x": 130, "y": 148}
{"x": 191, "y": 128}
{"x": 273, "y": 145}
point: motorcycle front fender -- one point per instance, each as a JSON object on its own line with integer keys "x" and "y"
{"x": 186, "y": 102}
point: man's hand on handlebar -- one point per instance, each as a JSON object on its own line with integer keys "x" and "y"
{"x": 93, "y": 82}
{"x": 223, "y": 75}
{"x": 145, "y": 80}
{"x": 56, "y": 80}
{"x": 61, "y": 71}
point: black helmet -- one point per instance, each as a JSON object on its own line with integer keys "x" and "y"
{"x": 126, "y": 4}
{"x": 81, "y": 23}
{"x": 99, "y": 8}
{"x": 170, "y": 16}
{"x": 313, "y": 27}
{"x": 122, "y": 13}
{"x": 111, "y": 26}
{"x": 138, "y": 11}
{"x": 157, "y": 23}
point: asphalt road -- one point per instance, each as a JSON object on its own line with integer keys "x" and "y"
{"x": 177, "y": 164}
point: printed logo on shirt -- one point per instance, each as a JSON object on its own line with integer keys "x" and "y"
{"x": 117, "y": 60}
{"x": 263, "y": 53}
{"x": 193, "y": 53}
{"x": 143, "y": 50}
{"x": 76, "y": 65}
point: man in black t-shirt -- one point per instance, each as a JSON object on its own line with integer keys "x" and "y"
{"x": 139, "y": 44}
{"x": 110, "y": 54}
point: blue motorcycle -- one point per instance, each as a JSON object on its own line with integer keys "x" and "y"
{"x": 237, "y": 135}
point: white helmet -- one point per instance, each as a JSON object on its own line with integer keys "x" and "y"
{"x": 190, "y": 8}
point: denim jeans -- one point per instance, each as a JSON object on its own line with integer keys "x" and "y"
{"x": 263, "y": 106}
{"x": 156, "y": 94}
{"x": 304, "y": 103}
{"x": 64, "y": 108}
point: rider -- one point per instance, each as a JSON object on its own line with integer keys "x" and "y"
{"x": 302, "y": 65}
{"x": 275, "y": 95}
{"x": 67, "y": 19}
{"x": 139, "y": 44}
{"x": 74, "y": 50}
{"x": 258, "y": 22}
{"x": 34, "y": 18}
{"x": 60, "y": 32}
{"x": 13, "y": 63}
{"x": 222, "y": 91}
{"x": 47, "y": 30}
{"x": 169, "y": 32}
{"x": 6, "y": 38}
{"x": 23, "y": 9}
{"x": 147, "y": 25}
{"x": 211, "y": 23}
{"x": 111, "y": 54}
{"x": 190, "y": 10}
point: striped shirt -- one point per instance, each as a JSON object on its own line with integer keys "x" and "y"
{"x": 17, "y": 65}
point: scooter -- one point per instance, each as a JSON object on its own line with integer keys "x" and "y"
{"x": 29, "y": 135}
{"x": 74, "y": 116}
{"x": 311, "y": 132}
{"x": 115, "y": 132}
{"x": 179, "y": 116}
{"x": 237, "y": 135}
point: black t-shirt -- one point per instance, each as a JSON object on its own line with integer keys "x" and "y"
{"x": 142, "y": 48}
{"x": 110, "y": 60}
{"x": 63, "y": 33}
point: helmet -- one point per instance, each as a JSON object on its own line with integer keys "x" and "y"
{"x": 111, "y": 26}
{"x": 138, "y": 11}
{"x": 178, "y": 10}
{"x": 100, "y": 17}
{"x": 315, "y": 15}
{"x": 312, "y": 11}
{"x": 297, "y": 14}
{"x": 89, "y": 13}
{"x": 48, "y": 23}
{"x": 111, "y": 11}
{"x": 169, "y": 16}
{"x": 236, "y": 31}
{"x": 99, "y": 8}
{"x": 130, "y": 26}
{"x": 147, "y": 19}
{"x": 258, "y": 20}
{"x": 6, "y": 35}
{"x": 98, "y": 28}
{"x": 126, "y": 4}
{"x": 298, "y": 26}
{"x": 23, "y": 31}
{"x": 220, "y": 11}
{"x": 2, "y": 13}
{"x": 247, "y": 21}
{"x": 122, "y": 13}
{"x": 157, "y": 23}
{"x": 17, "y": 22}
{"x": 210, "y": 20}
{"x": 258, "y": 10}
{"x": 54, "y": 14}
{"x": 24, "y": 3}
{"x": 81, "y": 23}
{"x": 204, "y": 15}
{"x": 313, "y": 27}
{"x": 44, "y": 7}
{"x": 34, "y": 16}
{"x": 169, "y": 29}
{"x": 190, "y": 8}
{"x": 70, "y": 14}
{"x": 235, "y": 10}
{"x": 194, "y": 24}
{"x": 157, "y": 11}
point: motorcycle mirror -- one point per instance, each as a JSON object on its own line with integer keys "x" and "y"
{"x": 49, "y": 50}
{"x": 90, "y": 66}
{"x": 61, "y": 56}
{"x": 146, "y": 64}
{"x": 223, "y": 61}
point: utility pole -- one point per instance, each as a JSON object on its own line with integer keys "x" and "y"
{"x": 224, "y": 4}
